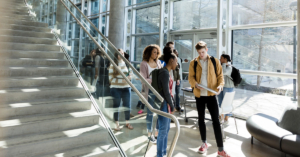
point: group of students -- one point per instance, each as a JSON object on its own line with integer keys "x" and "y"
{"x": 216, "y": 77}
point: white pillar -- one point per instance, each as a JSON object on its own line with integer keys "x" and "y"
{"x": 116, "y": 23}
{"x": 220, "y": 47}
{"x": 298, "y": 54}
{"x": 161, "y": 23}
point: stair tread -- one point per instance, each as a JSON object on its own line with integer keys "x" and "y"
{"x": 45, "y": 101}
{"x": 36, "y": 78}
{"x": 34, "y": 59}
{"x": 29, "y": 119}
{"x": 12, "y": 30}
{"x": 34, "y": 138}
{"x": 14, "y": 43}
{"x": 36, "y": 89}
{"x": 88, "y": 151}
{"x": 42, "y": 67}
{"x": 26, "y": 51}
{"x": 27, "y": 26}
{"x": 40, "y": 38}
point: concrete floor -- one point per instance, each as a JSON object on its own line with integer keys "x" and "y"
{"x": 247, "y": 103}
{"x": 134, "y": 142}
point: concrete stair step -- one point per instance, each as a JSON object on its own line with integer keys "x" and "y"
{"x": 31, "y": 82}
{"x": 32, "y": 54}
{"x": 23, "y": 22}
{"x": 39, "y": 124}
{"x": 4, "y": 9}
{"x": 95, "y": 150}
{"x": 24, "y": 28}
{"x": 16, "y": 12}
{"x": 8, "y": 111}
{"x": 31, "y": 62}
{"x": 14, "y": 5}
{"x": 14, "y": 15}
{"x": 15, "y": 2}
{"x": 19, "y": 95}
{"x": 39, "y": 144}
{"x": 20, "y": 33}
{"x": 35, "y": 71}
{"x": 28, "y": 47}
{"x": 29, "y": 40}
{"x": 8, "y": 16}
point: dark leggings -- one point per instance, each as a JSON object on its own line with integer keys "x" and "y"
{"x": 213, "y": 108}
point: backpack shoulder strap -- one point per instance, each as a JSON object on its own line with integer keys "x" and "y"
{"x": 195, "y": 65}
{"x": 212, "y": 58}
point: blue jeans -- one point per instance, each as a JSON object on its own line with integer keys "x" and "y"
{"x": 149, "y": 117}
{"x": 123, "y": 94}
{"x": 163, "y": 131}
{"x": 177, "y": 97}
{"x": 221, "y": 96}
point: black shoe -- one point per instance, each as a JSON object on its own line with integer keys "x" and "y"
{"x": 138, "y": 106}
{"x": 179, "y": 109}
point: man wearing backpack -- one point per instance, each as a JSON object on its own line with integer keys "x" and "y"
{"x": 207, "y": 71}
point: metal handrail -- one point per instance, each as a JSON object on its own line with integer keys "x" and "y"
{"x": 124, "y": 59}
{"x": 115, "y": 140}
{"x": 175, "y": 139}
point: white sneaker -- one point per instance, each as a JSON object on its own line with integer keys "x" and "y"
{"x": 203, "y": 148}
{"x": 152, "y": 139}
{"x": 226, "y": 122}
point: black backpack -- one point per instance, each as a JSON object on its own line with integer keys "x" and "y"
{"x": 154, "y": 82}
{"x": 87, "y": 59}
{"x": 236, "y": 76}
{"x": 212, "y": 58}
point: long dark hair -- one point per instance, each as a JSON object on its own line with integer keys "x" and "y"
{"x": 148, "y": 52}
{"x": 99, "y": 52}
{"x": 168, "y": 54}
{"x": 116, "y": 60}
{"x": 226, "y": 57}
{"x": 94, "y": 50}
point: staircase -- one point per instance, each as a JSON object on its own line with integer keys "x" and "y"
{"x": 44, "y": 110}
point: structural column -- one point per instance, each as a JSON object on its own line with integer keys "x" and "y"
{"x": 298, "y": 54}
{"x": 61, "y": 21}
{"x": 116, "y": 22}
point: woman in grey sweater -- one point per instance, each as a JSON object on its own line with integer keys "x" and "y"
{"x": 229, "y": 85}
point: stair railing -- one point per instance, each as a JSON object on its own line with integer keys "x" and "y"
{"x": 158, "y": 112}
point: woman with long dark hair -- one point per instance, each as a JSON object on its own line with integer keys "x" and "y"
{"x": 150, "y": 62}
{"x": 229, "y": 85}
{"x": 120, "y": 89}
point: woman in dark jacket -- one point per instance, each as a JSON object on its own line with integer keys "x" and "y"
{"x": 165, "y": 82}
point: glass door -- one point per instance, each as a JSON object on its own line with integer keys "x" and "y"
{"x": 185, "y": 47}
{"x": 211, "y": 40}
